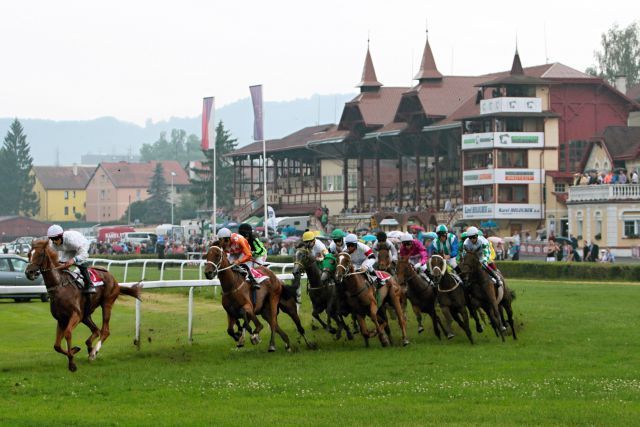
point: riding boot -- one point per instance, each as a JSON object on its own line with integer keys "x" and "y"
{"x": 494, "y": 277}
{"x": 250, "y": 277}
{"x": 88, "y": 284}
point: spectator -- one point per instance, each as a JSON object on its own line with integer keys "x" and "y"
{"x": 590, "y": 251}
{"x": 634, "y": 177}
{"x": 607, "y": 256}
{"x": 552, "y": 250}
{"x": 622, "y": 178}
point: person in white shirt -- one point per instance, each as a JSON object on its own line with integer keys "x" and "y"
{"x": 72, "y": 248}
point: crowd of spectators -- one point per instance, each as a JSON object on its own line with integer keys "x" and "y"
{"x": 612, "y": 177}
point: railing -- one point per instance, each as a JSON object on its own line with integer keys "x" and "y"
{"x": 245, "y": 211}
{"x": 603, "y": 192}
{"x": 299, "y": 199}
{"x": 157, "y": 284}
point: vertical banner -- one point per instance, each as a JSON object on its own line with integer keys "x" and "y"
{"x": 208, "y": 124}
{"x": 256, "y": 99}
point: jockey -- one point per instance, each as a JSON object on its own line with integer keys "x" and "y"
{"x": 362, "y": 256}
{"x": 415, "y": 251}
{"x": 480, "y": 246}
{"x": 72, "y": 248}
{"x": 381, "y": 242}
{"x": 238, "y": 252}
{"x": 317, "y": 248}
{"x": 429, "y": 238}
{"x": 446, "y": 245}
{"x": 258, "y": 251}
{"x": 337, "y": 244}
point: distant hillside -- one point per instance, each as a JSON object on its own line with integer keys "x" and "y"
{"x": 68, "y": 140}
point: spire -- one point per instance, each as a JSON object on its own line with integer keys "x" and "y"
{"x": 369, "y": 82}
{"x": 516, "y": 67}
{"x": 428, "y": 70}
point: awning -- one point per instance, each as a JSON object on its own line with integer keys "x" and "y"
{"x": 254, "y": 221}
{"x": 389, "y": 221}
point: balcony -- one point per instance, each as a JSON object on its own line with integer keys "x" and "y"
{"x": 604, "y": 193}
{"x": 475, "y": 141}
{"x": 510, "y": 105}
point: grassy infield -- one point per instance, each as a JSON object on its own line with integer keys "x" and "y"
{"x": 577, "y": 362}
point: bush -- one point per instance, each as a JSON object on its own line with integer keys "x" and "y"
{"x": 590, "y": 271}
{"x": 123, "y": 257}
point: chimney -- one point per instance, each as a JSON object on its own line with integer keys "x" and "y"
{"x": 75, "y": 169}
{"x": 621, "y": 84}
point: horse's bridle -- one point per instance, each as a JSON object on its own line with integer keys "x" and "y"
{"x": 432, "y": 269}
{"x": 216, "y": 267}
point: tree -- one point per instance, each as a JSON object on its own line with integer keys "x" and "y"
{"x": 158, "y": 206}
{"x": 16, "y": 165}
{"x": 620, "y": 54}
{"x": 181, "y": 147}
{"x": 202, "y": 187}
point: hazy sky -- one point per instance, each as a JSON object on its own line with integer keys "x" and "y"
{"x": 136, "y": 59}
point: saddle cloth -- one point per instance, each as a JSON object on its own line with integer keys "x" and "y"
{"x": 258, "y": 275}
{"x": 382, "y": 275}
{"x": 95, "y": 278}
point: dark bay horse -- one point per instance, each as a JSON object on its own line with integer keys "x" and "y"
{"x": 420, "y": 293}
{"x": 486, "y": 295}
{"x": 236, "y": 300}
{"x": 450, "y": 296}
{"x": 69, "y": 305}
{"x": 361, "y": 298}
{"x": 322, "y": 293}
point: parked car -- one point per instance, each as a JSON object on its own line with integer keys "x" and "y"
{"x": 12, "y": 269}
{"x": 16, "y": 248}
{"x": 139, "y": 237}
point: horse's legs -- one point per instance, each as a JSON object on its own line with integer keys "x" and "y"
{"x": 71, "y": 351}
{"x": 418, "y": 314}
{"x": 104, "y": 332}
{"x": 462, "y": 318}
{"x": 231, "y": 322}
{"x": 363, "y": 329}
{"x": 395, "y": 300}
{"x": 273, "y": 320}
{"x": 435, "y": 319}
{"x": 59, "y": 335}
{"x": 95, "y": 331}
{"x": 446, "y": 311}
{"x": 507, "y": 307}
{"x": 373, "y": 309}
{"x": 473, "y": 310}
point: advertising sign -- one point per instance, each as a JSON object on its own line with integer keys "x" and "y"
{"x": 477, "y": 177}
{"x": 518, "y": 211}
{"x": 517, "y": 176}
{"x": 478, "y": 211}
{"x": 510, "y": 105}
{"x": 474, "y": 141}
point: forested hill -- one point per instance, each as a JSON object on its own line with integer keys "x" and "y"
{"x": 68, "y": 140}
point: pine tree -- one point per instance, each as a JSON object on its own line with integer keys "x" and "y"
{"x": 158, "y": 206}
{"x": 202, "y": 187}
{"x": 16, "y": 165}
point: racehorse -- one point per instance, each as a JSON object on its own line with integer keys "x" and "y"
{"x": 384, "y": 260}
{"x": 421, "y": 294}
{"x": 361, "y": 298}
{"x": 69, "y": 305}
{"x": 450, "y": 296}
{"x": 485, "y": 294}
{"x": 236, "y": 300}
{"x": 321, "y": 292}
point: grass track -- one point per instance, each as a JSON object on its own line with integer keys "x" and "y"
{"x": 577, "y": 362}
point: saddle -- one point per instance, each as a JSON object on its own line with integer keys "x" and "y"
{"x": 77, "y": 279}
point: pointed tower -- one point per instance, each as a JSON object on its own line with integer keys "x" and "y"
{"x": 369, "y": 82}
{"x": 428, "y": 70}
{"x": 516, "y": 67}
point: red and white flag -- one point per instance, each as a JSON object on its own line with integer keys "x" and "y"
{"x": 208, "y": 124}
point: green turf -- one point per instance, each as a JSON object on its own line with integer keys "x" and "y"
{"x": 577, "y": 362}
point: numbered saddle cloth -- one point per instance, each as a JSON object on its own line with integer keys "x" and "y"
{"x": 383, "y": 275}
{"x": 93, "y": 274}
{"x": 258, "y": 275}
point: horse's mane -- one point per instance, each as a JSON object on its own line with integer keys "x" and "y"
{"x": 44, "y": 244}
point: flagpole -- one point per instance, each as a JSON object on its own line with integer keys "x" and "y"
{"x": 209, "y": 134}
{"x": 264, "y": 189}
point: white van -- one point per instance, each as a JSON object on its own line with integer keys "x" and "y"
{"x": 300, "y": 223}
{"x": 138, "y": 237}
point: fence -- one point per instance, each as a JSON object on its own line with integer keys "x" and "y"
{"x": 156, "y": 284}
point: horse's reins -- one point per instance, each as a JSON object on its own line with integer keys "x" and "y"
{"x": 366, "y": 283}
{"x": 441, "y": 275}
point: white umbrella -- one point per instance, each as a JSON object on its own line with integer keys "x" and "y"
{"x": 395, "y": 234}
{"x": 496, "y": 240}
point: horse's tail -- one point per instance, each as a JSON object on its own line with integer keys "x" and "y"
{"x": 133, "y": 291}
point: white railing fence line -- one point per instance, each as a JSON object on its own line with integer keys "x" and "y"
{"x": 155, "y": 284}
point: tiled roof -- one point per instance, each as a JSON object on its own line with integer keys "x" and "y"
{"x": 428, "y": 68}
{"x": 295, "y": 140}
{"x": 135, "y": 175}
{"x": 64, "y": 177}
{"x": 378, "y": 108}
{"x": 622, "y": 142}
{"x": 369, "y": 78}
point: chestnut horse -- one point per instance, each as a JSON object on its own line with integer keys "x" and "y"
{"x": 69, "y": 305}
{"x": 420, "y": 293}
{"x": 236, "y": 300}
{"x": 450, "y": 296}
{"x": 486, "y": 295}
{"x": 361, "y": 298}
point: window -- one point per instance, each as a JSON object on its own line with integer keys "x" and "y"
{"x": 513, "y": 194}
{"x": 18, "y": 264}
{"x": 102, "y": 193}
{"x": 598, "y": 223}
{"x": 66, "y": 210}
{"x": 74, "y": 194}
{"x": 66, "y": 195}
{"x": 631, "y": 228}
{"x": 336, "y": 182}
{"x": 478, "y": 194}
{"x": 74, "y": 209}
{"x": 512, "y": 159}
{"x": 4, "y": 265}
{"x": 138, "y": 194}
{"x": 560, "y": 187}
{"x": 478, "y": 160}
{"x": 579, "y": 225}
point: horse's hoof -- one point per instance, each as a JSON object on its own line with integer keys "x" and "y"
{"x": 73, "y": 367}
{"x": 272, "y": 348}
{"x": 385, "y": 341}
{"x": 288, "y": 349}
{"x": 405, "y": 342}
{"x": 74, "y": 350}
{"x": 450, "y": 336}
{"x": 240, "y": 345}
{"x": 503, "y": 329}
{"x": 255, "y": 339}
{"x": 420, "y": 329}
{"x": 479, "y": 329}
